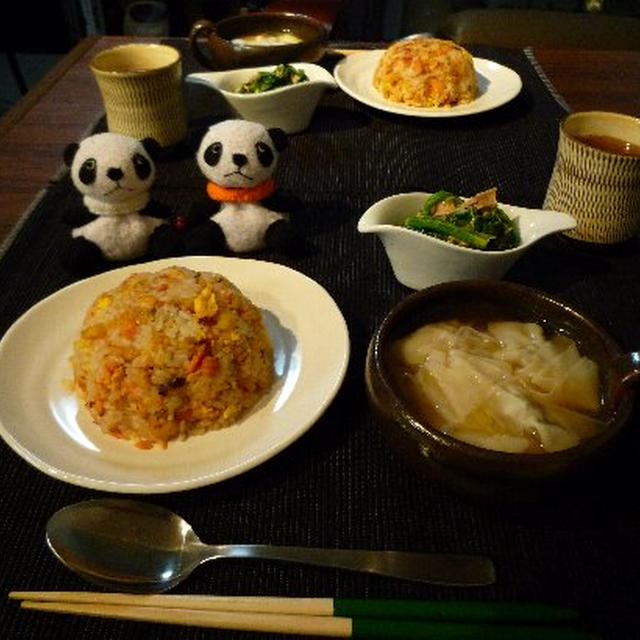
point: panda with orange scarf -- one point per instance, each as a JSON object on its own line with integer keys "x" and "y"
{"x": 242, "y": 213}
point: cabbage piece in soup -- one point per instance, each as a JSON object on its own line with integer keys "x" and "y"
{"x": 504, "y": 386}
{"x": 267, "y": 39}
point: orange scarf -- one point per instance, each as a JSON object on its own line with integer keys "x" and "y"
{"x": 241, "y": 194}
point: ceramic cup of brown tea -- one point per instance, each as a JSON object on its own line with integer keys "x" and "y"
{"x": 142, "y": 91}
{"x": 596, "y": 176}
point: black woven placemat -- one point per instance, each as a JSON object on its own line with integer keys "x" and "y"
{"x": 340, "y": 484}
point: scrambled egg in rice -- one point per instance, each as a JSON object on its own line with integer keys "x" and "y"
{"x": 426, "y": 72}
{"x": 170, "y": 354}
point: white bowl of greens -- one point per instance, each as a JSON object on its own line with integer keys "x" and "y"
{"x": 283, "y": 96}
{"x": 439, "y": 237}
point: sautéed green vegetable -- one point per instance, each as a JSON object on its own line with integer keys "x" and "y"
{"x": 282, "y": 76}
{"x": 478, "y": 222}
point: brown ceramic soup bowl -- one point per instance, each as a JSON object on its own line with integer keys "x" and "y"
{"x": 257, "y": 39}
{"x": 472, "y": 470}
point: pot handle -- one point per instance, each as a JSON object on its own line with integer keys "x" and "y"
{"x": 220, "y": 51}
{"x": 627, "y": 371}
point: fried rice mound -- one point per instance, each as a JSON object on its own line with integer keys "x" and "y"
{"x": 170, "y": 354}
{"x": 426, "y": 72}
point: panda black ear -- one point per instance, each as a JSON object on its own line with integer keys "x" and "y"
{"x": 69, "y": 153}
{"x": 152, "y": 147}
{"x": 279, "y": 138}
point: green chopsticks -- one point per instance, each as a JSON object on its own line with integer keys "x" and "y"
{"x": 454, "y": 610}
{"x": 339, "y": 617}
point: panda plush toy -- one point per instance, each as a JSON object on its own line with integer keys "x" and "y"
{"x": 242, "y": 212}
{"x": 114, "y": 174}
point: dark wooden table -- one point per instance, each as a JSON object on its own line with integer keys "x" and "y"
{"x": 66, "y": 103}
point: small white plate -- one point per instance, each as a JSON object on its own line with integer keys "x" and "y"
{"x": 497, "y": 85}
{"x": 40, "y": 418}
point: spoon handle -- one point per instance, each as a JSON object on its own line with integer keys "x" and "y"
{"x": 435, "y": 568}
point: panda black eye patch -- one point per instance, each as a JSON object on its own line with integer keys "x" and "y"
{"x": 87, "y": 172}
{"x": 142, "y": 166}
{"x": 265, "y": 154}
{"x": 213, "y": 153}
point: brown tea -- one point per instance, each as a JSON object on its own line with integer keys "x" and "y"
{"x": 610, "y": 144}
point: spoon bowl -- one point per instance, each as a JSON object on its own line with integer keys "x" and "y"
{"x": 126, "y": 545}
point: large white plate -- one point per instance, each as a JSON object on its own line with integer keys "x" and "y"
{"x": 497, "y": 85}
{"x": 40, "y": 418}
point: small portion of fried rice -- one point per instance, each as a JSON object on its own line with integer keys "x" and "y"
{"x": 170, "y": 354}
{"x": 426, "y": 72}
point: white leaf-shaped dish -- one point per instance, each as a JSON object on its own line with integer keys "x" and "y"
{"x": 419, "y": 260}
{"x": 289, "y": 108}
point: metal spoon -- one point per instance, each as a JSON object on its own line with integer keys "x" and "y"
{"x": 126, "y": 545}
